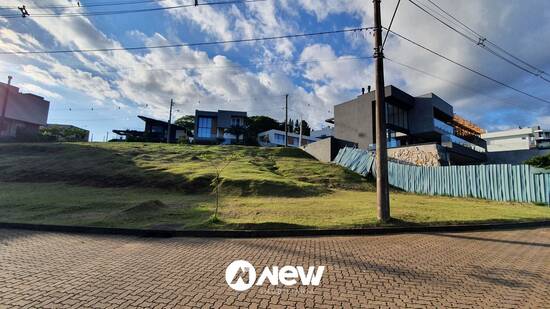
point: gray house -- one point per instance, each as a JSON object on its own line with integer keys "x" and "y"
{"x": 422, "y": 120}
{"x": 212, "y": 127}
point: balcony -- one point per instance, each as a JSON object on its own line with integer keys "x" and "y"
{"x": 442, "y": 127}
{"x": 457, "y": 140}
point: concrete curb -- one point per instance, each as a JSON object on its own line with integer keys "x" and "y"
{"x": 272, "y": 233}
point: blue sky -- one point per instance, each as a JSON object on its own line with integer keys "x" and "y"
{"x": 317, "y": 72}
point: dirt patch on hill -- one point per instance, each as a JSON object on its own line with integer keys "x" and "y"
{"x": 146, "y": 207}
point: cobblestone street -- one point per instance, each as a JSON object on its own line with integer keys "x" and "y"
{"x": 498, "y": 269}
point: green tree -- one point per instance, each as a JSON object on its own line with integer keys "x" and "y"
{"x": 259, "y": 124}
{"x": 238, "y": 131}
{"x": 188, "y": 122}
{"x": 306, "y": 130}
{"x": 541, "y": 161}
{"x": 64, "y": 133}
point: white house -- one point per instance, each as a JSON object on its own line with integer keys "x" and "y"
{"x": 515, "y": 139}
{"x": 322, "y": 133}
{"x": 274, "y": 138}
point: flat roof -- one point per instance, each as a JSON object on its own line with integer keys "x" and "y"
{"x": 510, "y": 132}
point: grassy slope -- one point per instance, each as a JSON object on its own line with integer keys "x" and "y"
{"x": 57, "y": 203}
{"x": 101, "y": 184}
{"x": 252, "y": 171}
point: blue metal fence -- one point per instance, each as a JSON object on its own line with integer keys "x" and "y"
{"x": 502, "y": 182}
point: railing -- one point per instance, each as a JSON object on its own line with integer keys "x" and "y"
{"x": 445, "y": 128}
{"x": 457, "y": 140}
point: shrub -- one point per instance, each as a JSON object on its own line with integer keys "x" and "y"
{"x": 541, "y": 161}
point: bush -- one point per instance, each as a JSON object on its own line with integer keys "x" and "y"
{"x": 542, "y": 161}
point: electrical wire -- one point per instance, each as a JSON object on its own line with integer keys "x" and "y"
{"x": 130, "y": 11}
{"x": 468, "y": 68}
{"x": 458, "y": 85}
{"x": 290, "y": 36}
{"x": 391, "y": 23}
{"x": 480, "y": 41}
{"x": 84, "y": 5}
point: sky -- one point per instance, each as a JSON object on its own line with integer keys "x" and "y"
{"x": 102, "y": 91}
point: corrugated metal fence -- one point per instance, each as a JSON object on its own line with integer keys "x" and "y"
{"x": 501, "y": 182}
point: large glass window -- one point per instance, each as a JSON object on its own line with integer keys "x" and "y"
{"x": 396, "y": 116}
{"x": 279, "y": 139}
{"x": 205, "y": 127}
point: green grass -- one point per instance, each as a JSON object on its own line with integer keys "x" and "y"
{"x": 183, "y": 168}
{"x": 139, "y": 185}
{"x": 58, "y": 203}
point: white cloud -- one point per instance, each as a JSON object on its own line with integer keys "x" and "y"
{"x": 34, "y": 89}
{"x": 138, "y": 79}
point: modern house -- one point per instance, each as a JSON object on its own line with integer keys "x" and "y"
{"x": 517, "y": 139}
{"x": 155, "y": 131}
{"x": 322, "y": 133}
{"x": 411, "y": 121}
{"x": 21, "y": 114}
{"x": 213, "y": 127}
{"x": 275, "y": 138}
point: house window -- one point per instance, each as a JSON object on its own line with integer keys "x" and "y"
{"x": 205, "y": 127}
{"x": 236, "y": 122}
{"x": 396, "y": 116}
{"x": 157, "y": 129}
{"x": 279, "y": 139}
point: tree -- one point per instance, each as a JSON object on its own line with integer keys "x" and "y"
{"x": 541, "y": 161}
{"x": 219, "y": 166}
{"x": 296, "y": 127}
{"x": 259, "y": 124}
{"x": 188, "y": 122}
{"x": 63, "y": 133}
{"x": 238, "y": 131}
{"x": 290, "y": 125}
{"x": 306, "y": 130}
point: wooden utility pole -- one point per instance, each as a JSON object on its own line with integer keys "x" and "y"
{"x": 382, "y": 187}
{"x": 301, "y": 132}
{"x": 5, "y": 106}
{"x": 286, "y": 120}
{"x": 170, "y": 121}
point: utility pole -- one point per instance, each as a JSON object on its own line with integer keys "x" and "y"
{"x": 170, "y": 120}
{"x": 5, "y": 105}
{"x": 286, "y": 121}
{"x": 382, "y": 190}
{"x": 300, "y": 139}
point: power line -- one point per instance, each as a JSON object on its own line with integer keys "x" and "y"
{"x": 128, "y": 11}
{"x": 468, "y": 68}
{"x": 456, "y": 84}
{"x": 391, "y": 23}
{"x": 290, "y": 36}
{"x": 84, "y": 5}
{"x": 480, "y": 41}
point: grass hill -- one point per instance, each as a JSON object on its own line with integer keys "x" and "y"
{"x": 169, "y": 186}
{"x": 186, "y": 168}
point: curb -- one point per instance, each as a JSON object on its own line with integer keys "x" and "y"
{"x": 272, "y": 233}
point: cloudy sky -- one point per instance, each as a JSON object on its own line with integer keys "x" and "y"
{"x": 107, "y": 90}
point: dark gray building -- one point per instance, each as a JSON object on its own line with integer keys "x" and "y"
{"x": 213, "y": 127}
{"x": 424, "y": 119}
{"x": 156, "y": 131}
